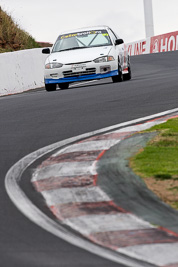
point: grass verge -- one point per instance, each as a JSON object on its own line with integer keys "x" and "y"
{"x": 157, "y": 163}
{"x": 12, "y": 38}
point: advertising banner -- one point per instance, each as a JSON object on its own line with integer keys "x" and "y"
{"x": 139, "y": 47}
{"x": 164, "y": 43}
{"x": 156, "y": 44}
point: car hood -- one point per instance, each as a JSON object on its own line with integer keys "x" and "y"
{"x": 79, "y": 55}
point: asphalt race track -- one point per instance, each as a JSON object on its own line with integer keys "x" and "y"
{"x": 36, "y": 119}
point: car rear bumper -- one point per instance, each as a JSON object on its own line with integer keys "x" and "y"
{"x": 82, "y": 78}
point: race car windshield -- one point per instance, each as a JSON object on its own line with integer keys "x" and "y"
{"x": 80, "y": 40}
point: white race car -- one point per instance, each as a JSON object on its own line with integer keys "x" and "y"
{"x": 86, "y": 54}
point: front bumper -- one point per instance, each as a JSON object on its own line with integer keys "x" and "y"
{"x": 82, "y": 78}
{"x": 90, "y": 71}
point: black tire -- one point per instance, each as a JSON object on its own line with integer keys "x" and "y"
{"x": 128, "y": 76}
{"x": 50, "y": 87}
{"x": 63, "y": 86}
{"x": 119, "y": 77}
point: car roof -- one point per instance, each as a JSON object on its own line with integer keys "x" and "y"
{"x": 92, "y": 28}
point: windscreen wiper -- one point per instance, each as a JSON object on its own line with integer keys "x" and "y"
{"x": 73, "y": 48}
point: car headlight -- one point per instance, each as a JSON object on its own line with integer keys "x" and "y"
{"x": 53, "y": 65}
{"x": 104, "y": 59}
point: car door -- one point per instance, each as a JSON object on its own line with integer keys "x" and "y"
{"x": 119, "y": 48}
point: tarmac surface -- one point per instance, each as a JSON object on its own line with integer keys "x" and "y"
{"x": 33, "y": 120}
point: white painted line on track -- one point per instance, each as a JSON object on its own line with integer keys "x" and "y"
{"x": 138, "y": 128}
{"x": 151, "y": 253}
{"x": 89, "y": 224}
{"x": 22, "y": 202}
{"x": 64, "y": 169}
{"x": 74, "y": 195}
{"x": 90, "y": 146}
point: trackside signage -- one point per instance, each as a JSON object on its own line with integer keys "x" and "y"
{"x": 139, "y": 48}
{"x": 156, "y": 44}
{"x": 164, "y": 43}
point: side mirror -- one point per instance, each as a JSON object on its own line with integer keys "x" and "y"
{"x": 46, "y": 51}
{"x": 119, "y": 41}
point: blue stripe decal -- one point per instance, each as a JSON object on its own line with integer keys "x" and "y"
{"x": 82, "y": 78}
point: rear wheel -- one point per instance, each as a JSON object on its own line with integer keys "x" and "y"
{"x": 50, "y": 87}
{"x": 119, "y": 77}
{"x": 63, "y": 86}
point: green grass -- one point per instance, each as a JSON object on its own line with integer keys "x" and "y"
{"x": 159, "y": 158}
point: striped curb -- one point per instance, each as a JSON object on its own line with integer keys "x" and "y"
{"x": 68, "y": 182}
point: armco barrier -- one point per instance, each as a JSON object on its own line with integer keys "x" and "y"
{"x": 156, "y": 44}
{"x": 21, "y": 71}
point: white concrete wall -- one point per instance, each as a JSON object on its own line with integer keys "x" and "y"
{"x": 21, "y": 71}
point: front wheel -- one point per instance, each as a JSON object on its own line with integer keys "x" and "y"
{"x": 119, "y": 77}
{"x": 50, "y": 87}
{"x": 128, "y": 76}
{"x": 63, "y": 86}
